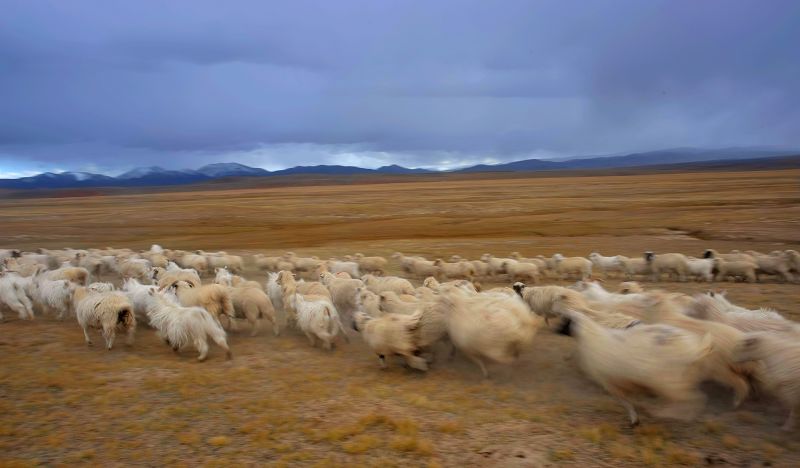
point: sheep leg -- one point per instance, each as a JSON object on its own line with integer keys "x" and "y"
{"x": 632, "y": 414}
{"x": 202, "y": 347}
{"x": 311, "y": 340}
{"x": 417, "y": 362}
{"x": 790, "y": 420}
{"x": 109, "y": 334}
{"x": 86, "y": 337}
{"x": 255, "y": 325}
{"x": 130, "y": 336}
{"x": 741, "y": 388}
{"x": 382, "y": 359}
{"x": 276, "y": 329}
{"x": 480, "y": 364}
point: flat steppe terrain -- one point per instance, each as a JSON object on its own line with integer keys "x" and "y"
{"x": 279, "y": 401}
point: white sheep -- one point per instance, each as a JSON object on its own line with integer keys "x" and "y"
{"x": 671, "y": 263}
{"x": 391, "y": 334}
{"x": 106, "y": 311}
{"x": 604, "y": 264}
{"x": 659, "y": 359}
{"x": 181, "y": 326}
{"x": 393, "y": 304}
{"x": 139, "y": 295}
{"x": 317, "y": 319}
{"x": 77, "y": 275}
{"x": 745, "y": 270}
{"x": 373, "y": 265}
{"x": 488, "y": 326}
{"x": 554, "y": 301}
{"x": 572, "y": 266}
{"x": 714, "y": 306}
{"x": 213, "y": 297}
{"x": 254, "y": 305}
{"x": 138, "y": 268}
{"x": 459, "y": 270}
{"x": 779, "y": 360}
{"x": 378, "y": 284}
{"x": 337, "y": 266}
{"x": 13, "y": 296}
{"x": 778, "y": 265}
{"x": 343, "y": 294}
{"x": 52, "y": 295}
{"x": 633, "y": 266}
{"x": 368, "y": 302}
{"x": 701, "y": 268}
{"x": 522, "y": 271}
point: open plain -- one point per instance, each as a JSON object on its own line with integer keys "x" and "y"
{"x": 280, "y": 401}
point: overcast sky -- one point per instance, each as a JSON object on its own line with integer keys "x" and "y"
{"x": 110, "y": 85}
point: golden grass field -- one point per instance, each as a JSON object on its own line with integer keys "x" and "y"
{"x": 282, "y": 402}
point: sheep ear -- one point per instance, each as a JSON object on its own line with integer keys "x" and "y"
{"x": 563, "y": 297}
{"x": 752, "y": 341}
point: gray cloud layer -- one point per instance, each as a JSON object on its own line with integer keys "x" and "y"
{"x": 111, "y": 85}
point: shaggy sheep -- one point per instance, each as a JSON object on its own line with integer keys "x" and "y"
{"x": 670, "y": 263}
{"x": 77, "y": 275}
{"x": 659, "y": 359}
{"x": 488, "y": 326}
{"x": 719, "y": 365}
{"x": 302, "y": 263}
{"x": 391, "y": 334}
{"x": 423, "y": 268}
{"x": 522, "y": 271}
{"x": 629, "y": 287}
{"x": 265, "y": 263}
{"x": 139, "y": 295}
{"x": 343, "y": 294}
{"x": 714, "y": 306}
{"x": 393, "y": 304}
{"x": 181, "y": 326}
{"x": 633, "y": 266}
{"x": 313, "y": 290}
{"x": 779, "y": 358}
{"x": 605, "y": 264}
{"x": 459, "y": 270}
{"x": 232, "y": 263}
{"x": 138, "y": 268}
{"x": 701, "y": 268}
{"x": 778, "y": 265}
{"x": 496, "y": 265}
{"x": 372, "y": 265}
{"x": 165, "y": 277}
{"x": 52, "y": 295}
{"x": 378, "y": 284}
{"x": 317, "y": 319}
{"x": 213, "y": 297}
{"x": 22, "y": 269}
{"x": 253, "y": 304}
{"x": 553, "y": 301}
{"x": 433, "y": 284}
{"x": 13, "y": 296}
{"x": 368, "y": 302}
{"x": 576, "y": 266}
{"x": 734, "y": 256}
{"x": 275, "y": 292}
{"x": 106, "y": 311}
{"x": 336, "y": 266}
{"x": 745, "y": 270}
{"x": 199, "y": 263}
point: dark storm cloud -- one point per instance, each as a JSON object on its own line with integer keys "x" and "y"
{"x": 111, "y": 85}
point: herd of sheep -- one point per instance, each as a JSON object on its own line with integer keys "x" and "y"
{"x": 629, "y": 341}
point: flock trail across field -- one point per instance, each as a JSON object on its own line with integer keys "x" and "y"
{"x": 631, "y": 341}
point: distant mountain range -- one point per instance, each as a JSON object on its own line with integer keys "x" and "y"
{"x": 157, "y": 176}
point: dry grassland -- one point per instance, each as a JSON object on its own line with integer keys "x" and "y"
{"x": 281, "y": 402}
